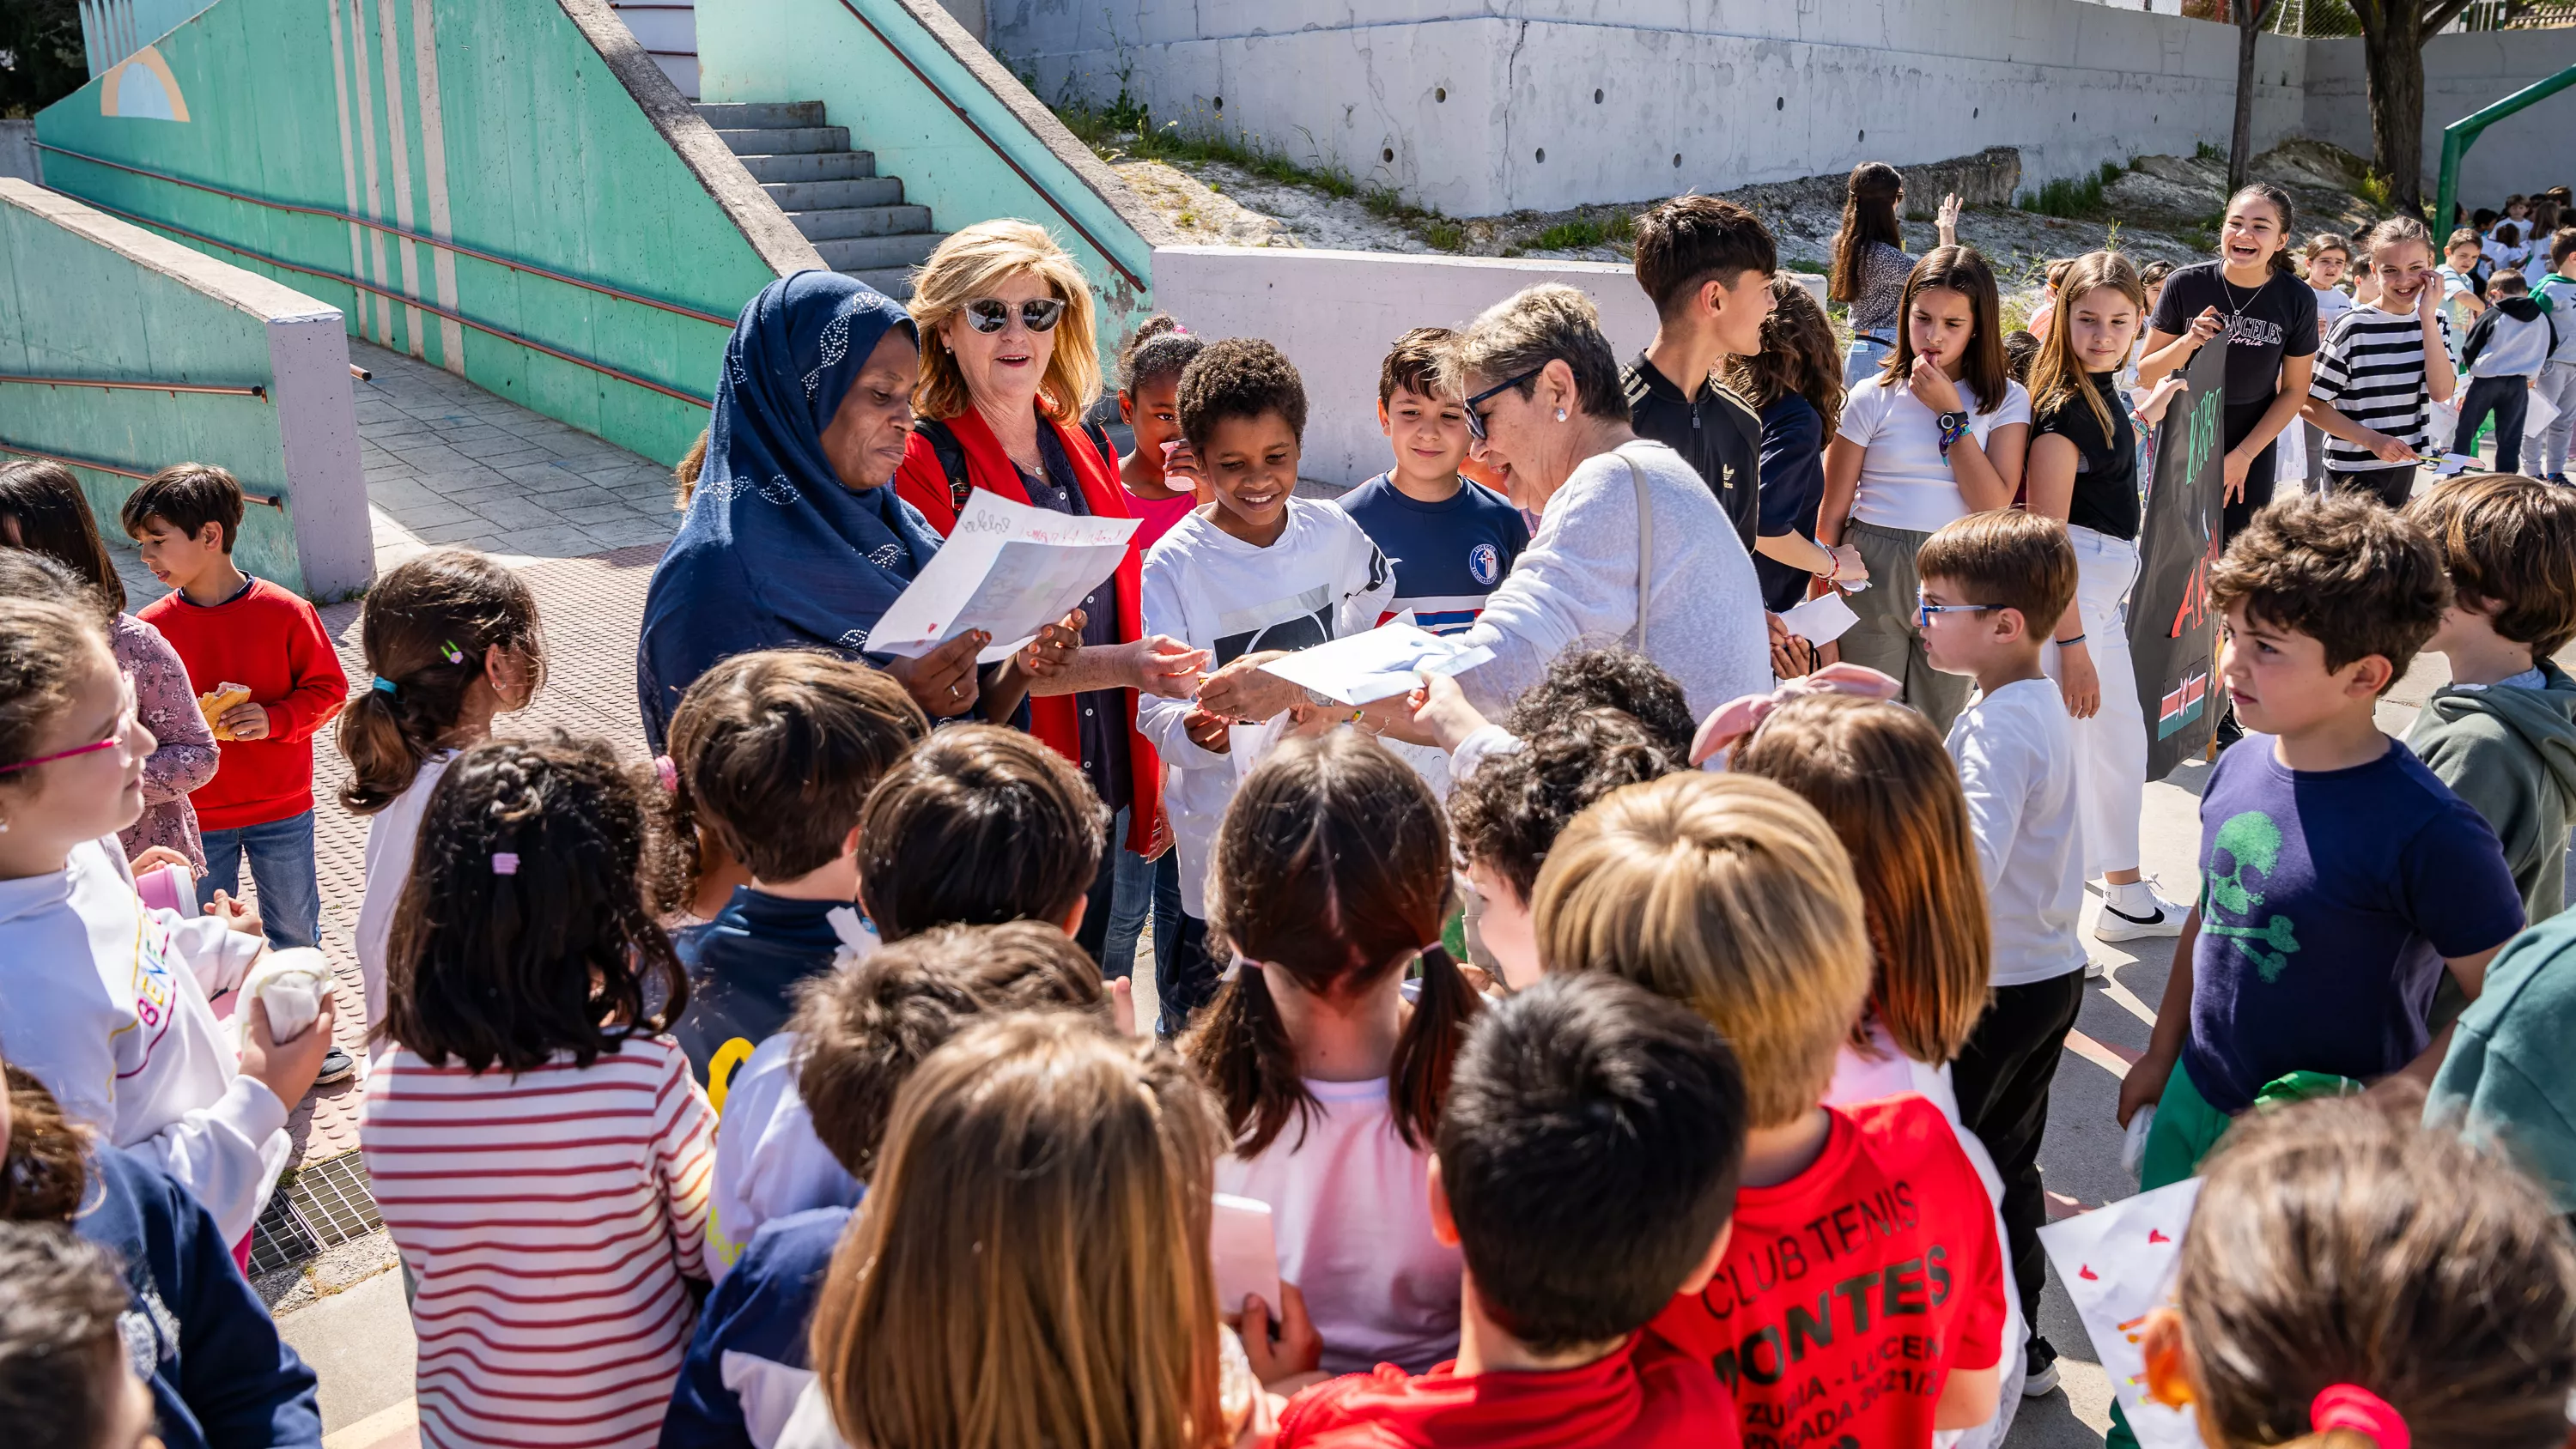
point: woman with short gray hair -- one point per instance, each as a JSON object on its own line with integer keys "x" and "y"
{"x": 1631, "y": 546}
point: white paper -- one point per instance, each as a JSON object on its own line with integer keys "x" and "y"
{"x": 1378, "y": 664}
{"x": 2537, "y": 415}
{"x": 2118, "y": 1264}
{"x": 1245, "y": 1252}
{"x": 1820, "y": 620}
{"x": 2452, "y": 464}
{"x": 1249, "y": 744}
{"x": 1009, "y": 569}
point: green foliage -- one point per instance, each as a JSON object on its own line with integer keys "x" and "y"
{"x": 2376, "y": 190}
{"x": 1126, "y": 128}
{"x": 2205, "y": 151}
{"x": 1813, "y": 269}
{"x": 2073, "y": 199}
{"x": 1444, "y": 236}
{"x": 1585, "y": 231}
{"x": 41, "y": 58}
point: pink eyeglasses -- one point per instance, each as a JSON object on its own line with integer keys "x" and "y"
{"x": 124, "y": 726}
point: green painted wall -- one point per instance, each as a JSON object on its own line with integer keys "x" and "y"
{"x": 72, "y": 308}
{"x": 496, "y": 123}
{"x": 807, "y": 50}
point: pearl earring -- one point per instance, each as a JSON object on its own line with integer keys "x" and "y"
{"x": 1560, "y": 415}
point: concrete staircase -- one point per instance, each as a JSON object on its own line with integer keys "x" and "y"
{"x": 668, "y": 31}
{"x": 854, "y": 217}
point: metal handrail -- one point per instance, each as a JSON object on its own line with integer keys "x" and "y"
{"x": 411, "y": 236}
{"x": 268, "y": 499}
{"x": 99, "y": 382}
{"x": 459, "y": 318}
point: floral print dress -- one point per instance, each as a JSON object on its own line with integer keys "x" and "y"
{"x": 186, "y": 758}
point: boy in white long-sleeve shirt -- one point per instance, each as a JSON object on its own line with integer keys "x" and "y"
{"x": 1993, "y": 583}
{"x": 1252, "y": 575}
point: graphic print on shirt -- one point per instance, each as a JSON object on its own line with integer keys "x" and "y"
{"x": 1485, "y": 564}
{"x": 2243, "y": 331}
{"x": 1297, "y": 622}
{"x": 154, "y": 986}
{"x": 1802, "y": 1297}
{"x": 2252, "y": 844}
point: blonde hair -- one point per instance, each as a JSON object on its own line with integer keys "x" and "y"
{"x": 2057, "y": 377}
{"x": 1030, "y": 1269}
{"x": 1881, "y": 778}
{"x": 970, "y": 264}
{"x": 1731, "y": 895}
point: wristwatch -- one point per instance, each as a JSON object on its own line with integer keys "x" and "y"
{"x": 1952, "y": 423}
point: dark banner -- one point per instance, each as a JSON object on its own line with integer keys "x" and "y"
{"x": 2172, "y": 634}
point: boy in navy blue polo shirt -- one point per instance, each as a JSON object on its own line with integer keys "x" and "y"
{"x": 1451, "y": 540}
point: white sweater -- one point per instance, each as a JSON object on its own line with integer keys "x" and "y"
{"x": 1575, "y": 587}
{"x": 109, "y": 1005}
{"x": 1321, "y": 580}
{"x": 393, "y": 833}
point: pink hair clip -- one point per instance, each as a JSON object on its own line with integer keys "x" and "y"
{"x": 666, "y": 772}
{"x": 2350, "y": 1406}
{"x": 505, "y": 862}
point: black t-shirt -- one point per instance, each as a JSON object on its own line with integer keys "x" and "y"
{"x": 2264, "y": 324}
{"x": 2106, "y": 470}
{"x": 1716, "y": 432}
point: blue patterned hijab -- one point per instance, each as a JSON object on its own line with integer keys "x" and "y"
{"x": 775, "y": 550}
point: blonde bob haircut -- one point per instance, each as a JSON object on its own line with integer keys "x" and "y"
{"x": 1030, "y": 1269}
{"x": 1880, "y": 776}
{"x": 1728, "y": 894}
{"x": 970, "y": 264}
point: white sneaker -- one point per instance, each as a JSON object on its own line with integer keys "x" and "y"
{"x": 2165, "y": 918}
{"x": 2094, "y": 970}
{"x": 2041, "y": 1384}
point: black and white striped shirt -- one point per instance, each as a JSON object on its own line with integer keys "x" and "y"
{"x": 2372, "y": 370}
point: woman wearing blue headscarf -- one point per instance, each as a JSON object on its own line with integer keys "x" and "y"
{"x": 792, "y": 537}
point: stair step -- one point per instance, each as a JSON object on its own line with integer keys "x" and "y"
{"x": 784, "y": 140}
{"x": 869, "y": 253}
{"x": 824, "y": 195}
{"x": 761, "y": 115}
{"x": 858, "y": 221}
{"x": 809, "y": 166}
{"x": 895, "y": 282}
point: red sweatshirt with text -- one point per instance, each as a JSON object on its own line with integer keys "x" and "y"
{"x": 270, "y": 642}
{"x": 1645, "y": 1396}
{"x": 1852, "y": 1290}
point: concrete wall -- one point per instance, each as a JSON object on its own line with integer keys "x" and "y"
{"x": 2462, "y": 73}
{"x": 1007, "y": 155}
{"x": 532, "y": 130}
{"x": 1456, "y": 105}
{"x": 18, "y": 154}
{"x": 85, "y": 296}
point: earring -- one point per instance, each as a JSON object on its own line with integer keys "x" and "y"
{"x": 1560, "y": 415}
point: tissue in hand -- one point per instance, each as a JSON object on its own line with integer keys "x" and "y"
{"x": 290, "y": 983}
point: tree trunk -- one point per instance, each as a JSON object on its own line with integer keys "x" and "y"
{"x": 2240, "y": 150}
{"x": 2393, "y": 63}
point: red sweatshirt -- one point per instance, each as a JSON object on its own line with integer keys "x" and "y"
{"x": 271, "y": 642}
{"x": 1645, "y": 1396}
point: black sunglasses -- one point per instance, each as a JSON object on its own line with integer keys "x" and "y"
{"x": 992, "y": 314}
{"x": 1476, "y": 419}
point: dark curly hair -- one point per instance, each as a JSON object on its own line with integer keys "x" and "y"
{"x": 2343, "y": 570}
{"x": 1799, "y": 355}
{"x": 1613, "y": 678}
{"x": 46, "y": 1171}
{"x": 428, "y": 626}
{"x": 524, "y": 929}
{"x": 1161, "y": 349}
{"x": 1508, "y": 813}
{"x": 1240, "y": 377}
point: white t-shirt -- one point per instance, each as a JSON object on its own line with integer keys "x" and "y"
{"x": 393, "y": 834}
{"x": 1350, "y": 1206}
{"x": 1904, "y": 481}
{"x": 1321, "y": 579}
{"x": 2332, "y": 303}
{"x": 2016, "y": 758}
{"x": 769, "y": 1163}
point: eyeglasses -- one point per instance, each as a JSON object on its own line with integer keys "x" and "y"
{"x": 124, "y": 726}
{"x": 992, "y": 314}
{"x": 1476, "y": 419}
{"x": 1924, "y": 609}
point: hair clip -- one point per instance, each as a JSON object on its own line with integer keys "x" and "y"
{"x": 2350, "y": 1406}
{"x": 383, "y": 685}
{"x": 505, "y": 862}
{"x": 667, "y": 773}
{"x": 447, "y": 650}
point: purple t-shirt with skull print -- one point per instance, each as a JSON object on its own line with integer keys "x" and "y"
{"x": 2328, "y": 901}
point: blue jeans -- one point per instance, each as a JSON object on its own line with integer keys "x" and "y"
{"x": 281, "y": 866}
{"x": 1142, "y": 885}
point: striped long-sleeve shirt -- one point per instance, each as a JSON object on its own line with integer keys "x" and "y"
{"x": 2372, "y": 370}
{"x": 549, "y": 1219}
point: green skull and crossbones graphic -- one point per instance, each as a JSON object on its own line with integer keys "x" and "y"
{"x": 2252, "y": 843}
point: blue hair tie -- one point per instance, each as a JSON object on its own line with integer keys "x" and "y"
{"x": 384, "y": 684}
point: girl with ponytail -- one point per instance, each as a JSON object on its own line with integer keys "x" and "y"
{"x": 1332, "y": 877}
{"x": 453, "y": 640}
{"x": 2252, "y": 298}
{"x": 1871, "y": 263}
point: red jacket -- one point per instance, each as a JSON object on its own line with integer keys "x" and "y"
{"x": 271, "y": 642}
{"x": 923, "y": 483}
{"x": 1646, "y": 1396}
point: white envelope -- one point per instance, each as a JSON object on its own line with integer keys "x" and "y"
{"x": 1246, "y": 1254}
{"x": 1378, "y": 664}
{"x": 1009, "y": 569}
{"x": 1821, "y": 620}
{"x": 2118, "y": 1264}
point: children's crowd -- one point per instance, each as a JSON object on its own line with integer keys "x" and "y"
{"x": 1628, "y": 1069}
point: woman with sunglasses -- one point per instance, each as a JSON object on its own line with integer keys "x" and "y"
{"x": 1009, "y": 365}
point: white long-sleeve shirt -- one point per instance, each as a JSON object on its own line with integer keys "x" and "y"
{"x": 110, "y": 1005}
{"x": 393, "y": 833}
{"x": 1575, "y": 587}
{"x": 1320, "y": 580}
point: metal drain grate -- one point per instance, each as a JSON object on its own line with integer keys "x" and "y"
{"x": 325, "y": 1205}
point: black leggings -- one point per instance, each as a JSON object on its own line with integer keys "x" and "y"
{"x": 2241, "y": 418}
